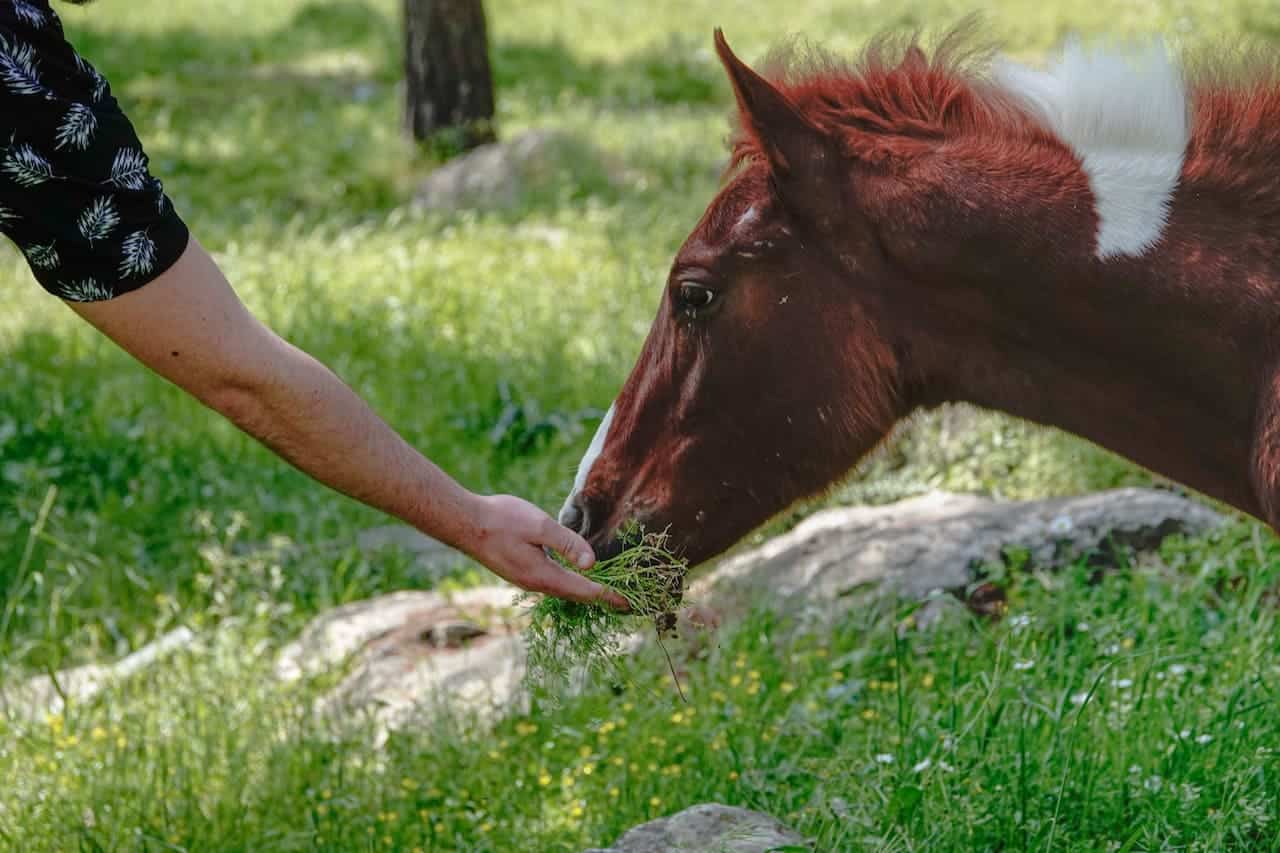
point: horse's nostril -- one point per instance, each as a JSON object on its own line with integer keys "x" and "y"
{"x": 574, "y": 516}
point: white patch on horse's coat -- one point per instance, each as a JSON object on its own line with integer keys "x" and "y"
{"x": 588, "y": 459}
{"x": 751, "y": 215}
{"x": 1126, "y": 117}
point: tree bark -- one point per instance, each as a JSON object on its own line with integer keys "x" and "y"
{"x": 449, "y": 91}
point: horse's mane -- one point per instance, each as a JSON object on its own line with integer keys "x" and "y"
{"x": 895, "y": 87}
{"x": 897, "y": 92}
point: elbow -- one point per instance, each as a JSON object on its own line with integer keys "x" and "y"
{"x": 240, "y": 401}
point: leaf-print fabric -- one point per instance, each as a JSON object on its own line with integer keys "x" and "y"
{"x": 76, "y": 192}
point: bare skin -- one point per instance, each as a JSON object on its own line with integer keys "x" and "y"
{"x": 189, "y": 326}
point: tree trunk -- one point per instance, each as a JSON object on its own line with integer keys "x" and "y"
{"x": 449, "y": 91}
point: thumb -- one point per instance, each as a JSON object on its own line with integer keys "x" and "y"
{"x": 567, "y": 543}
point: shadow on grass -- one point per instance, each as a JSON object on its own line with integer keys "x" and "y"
{"x": 304, "y": 120}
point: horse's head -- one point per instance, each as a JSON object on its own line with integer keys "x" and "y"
{"x": 766, "y": 374}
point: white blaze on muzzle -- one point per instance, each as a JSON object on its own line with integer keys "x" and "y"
{"x": 588, "y": 459}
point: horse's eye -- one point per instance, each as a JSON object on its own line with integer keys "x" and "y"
{"x": 694, "y": 297}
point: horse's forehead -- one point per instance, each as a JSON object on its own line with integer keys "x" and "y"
{"x": 740, "y": 208}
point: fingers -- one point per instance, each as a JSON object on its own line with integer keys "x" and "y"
{"x": 519, "y": 533}
{"x": 567, "y": 543}
{"x": 546, "y": 577}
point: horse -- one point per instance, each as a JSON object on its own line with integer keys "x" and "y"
{"x": 1091, "y": 244}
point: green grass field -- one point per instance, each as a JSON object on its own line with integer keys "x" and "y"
{"x": 1137, "y": 713}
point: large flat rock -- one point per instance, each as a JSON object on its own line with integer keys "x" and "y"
{"x": 49, "y": 694}
{"x": 708, "y": 828}
{"x": 935, "y": 541}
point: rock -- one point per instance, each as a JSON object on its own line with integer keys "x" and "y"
{"x": 708, "y": 828}
{"x": 933, "y": 542}
{"x": 46, "y": 694}
{"x": 500, "y": 174}
{"x": 392, "y": 688}
{"x": 408, "y": 651}
{"x": 396, "y": 620}
{"x": 413, "y": 653}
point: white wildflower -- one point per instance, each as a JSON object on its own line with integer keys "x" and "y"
{"x": 1061, "y": 525}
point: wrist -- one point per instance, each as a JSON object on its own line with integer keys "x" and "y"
{"x": 466, "y": 524}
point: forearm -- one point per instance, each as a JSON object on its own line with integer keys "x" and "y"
{"x": 189, "y": 326}
{"x": 298, "y": 408}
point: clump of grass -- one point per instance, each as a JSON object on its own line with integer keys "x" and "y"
{"x": 564, "y": 635}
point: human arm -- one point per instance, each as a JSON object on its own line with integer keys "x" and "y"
{"x": 189, "y": 326}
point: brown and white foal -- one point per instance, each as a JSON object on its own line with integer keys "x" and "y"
{"x": 1094, "y": 245}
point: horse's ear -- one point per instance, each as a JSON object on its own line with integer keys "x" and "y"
{"x": 797, "y": 151}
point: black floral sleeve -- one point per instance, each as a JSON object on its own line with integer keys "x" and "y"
{"x": 76, "y": 193}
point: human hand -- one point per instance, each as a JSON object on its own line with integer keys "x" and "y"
{"x": 510, "y": 541}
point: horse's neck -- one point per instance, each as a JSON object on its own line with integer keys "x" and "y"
{"x": 1156, "y": 357}
{"x": 1120, "y": 280}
